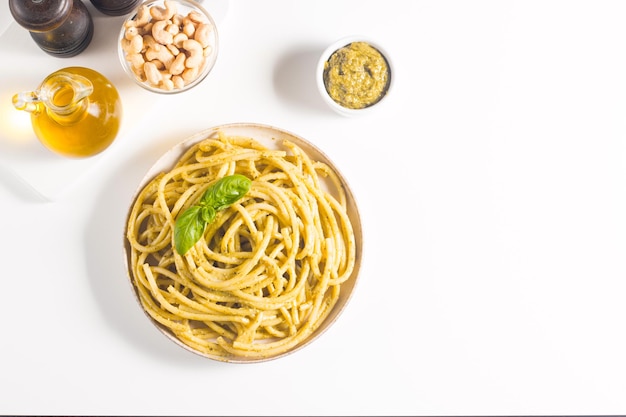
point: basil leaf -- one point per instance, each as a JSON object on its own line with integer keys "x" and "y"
{"x": 191, "y": 223}
{"x": 207, "y": 213}
{"x": 188, "y": 229}
{"x": 226, "y": 191}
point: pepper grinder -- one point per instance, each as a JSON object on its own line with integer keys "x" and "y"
{"x": 62, "y": 28}
{"x": 115, "y": 7}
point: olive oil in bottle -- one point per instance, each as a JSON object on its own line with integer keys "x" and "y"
{"x": 75, "y": 112}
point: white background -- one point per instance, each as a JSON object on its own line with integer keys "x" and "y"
{"x": 492, "y": 192}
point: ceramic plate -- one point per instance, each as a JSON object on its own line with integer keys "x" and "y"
{"x": 272, "y": 138}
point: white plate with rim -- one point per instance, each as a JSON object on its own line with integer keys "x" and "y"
{"x": 272, "y": 138}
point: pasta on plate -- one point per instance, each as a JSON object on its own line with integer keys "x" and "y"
{"x": 267, "y": 271}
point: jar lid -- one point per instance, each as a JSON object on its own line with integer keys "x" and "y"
{"x": 40, "y": 15}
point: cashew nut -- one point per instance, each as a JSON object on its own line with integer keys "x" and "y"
{"x": 173, "y": 49}
{"x": 133, "y": 46}
{"x": 179, "y": 38}
{"x": 172, "y": 28}
{"x": 162, "y": 54}
{"x": 160, "y": 66}
{"x": 203, "y": 34}
{"x": 145, "y": 29}
{"x": 177, "y": 20}
{"x": 167, "y": 84}
{"x": 149, "y": 42}
{"x": 196, "y": 55}
{"x": 136, "y": 60}
{"x": 188, "y": 27}
{"x": 160, "y": 34}
{"x": 178, "y": 81}
{"x": 178, "y": 65}
{"x": 196, "y": 17}
{"x": 136, "y": 44}
{"x": 153, "y": 76}
{"x": 131, "y": 32}
{"x": 164, "y": 13}
{"x": 190, "y": 74}
{"x": 142, "y": 18}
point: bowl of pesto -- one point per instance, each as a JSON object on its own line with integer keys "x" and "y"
{"x": 354, "y": 75}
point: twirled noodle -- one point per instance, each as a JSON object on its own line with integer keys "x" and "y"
{"x": 266, "y": 272}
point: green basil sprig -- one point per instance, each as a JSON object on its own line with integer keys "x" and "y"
{"x": 190, "y": 225}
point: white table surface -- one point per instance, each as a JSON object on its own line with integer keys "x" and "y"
{"x": 492, "y": 192}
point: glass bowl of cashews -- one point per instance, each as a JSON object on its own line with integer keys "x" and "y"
{"x": 168, "y": 46}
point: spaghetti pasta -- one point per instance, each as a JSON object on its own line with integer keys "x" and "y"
{"x": 267, "y": 271}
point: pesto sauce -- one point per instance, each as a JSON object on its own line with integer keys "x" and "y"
{"x": 356, "y": 76}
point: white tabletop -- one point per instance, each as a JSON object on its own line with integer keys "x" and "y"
{"x": 492, "y": 193}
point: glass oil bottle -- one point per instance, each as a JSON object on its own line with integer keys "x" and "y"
{"x": 75, "y": 112}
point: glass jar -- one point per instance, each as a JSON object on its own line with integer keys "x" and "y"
{"x": 75, "y": 112}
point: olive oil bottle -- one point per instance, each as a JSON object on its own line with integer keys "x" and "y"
{"x": 75, "y": 112}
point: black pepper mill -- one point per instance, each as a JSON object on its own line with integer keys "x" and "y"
{"x": 62, "y": 28}
{"x": 116, "y": 7}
